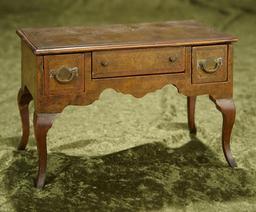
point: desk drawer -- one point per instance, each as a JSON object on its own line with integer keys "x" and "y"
{"x": 209, "y": 64}
{"x": 119, "y": 63}
{"x": 64, "y": 74}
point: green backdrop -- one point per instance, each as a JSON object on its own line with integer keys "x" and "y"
{"x": 123, "y": 153}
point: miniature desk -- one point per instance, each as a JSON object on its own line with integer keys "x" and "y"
{"x": 72, "y": 65}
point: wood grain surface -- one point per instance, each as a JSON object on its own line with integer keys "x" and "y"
{"x": 89, "y": 38}
{"x": 138, "y": 62}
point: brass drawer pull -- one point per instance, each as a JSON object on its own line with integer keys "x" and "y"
{"x": 64, "y": 74}
{"x": 210, "y": 65}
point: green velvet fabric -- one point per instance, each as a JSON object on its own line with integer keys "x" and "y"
{"x": 123, "y": 153}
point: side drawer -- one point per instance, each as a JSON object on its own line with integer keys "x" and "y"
{"x": 131, "y": 62}
{"x": 209, "y": 64}
{"x": 64, "y": 74}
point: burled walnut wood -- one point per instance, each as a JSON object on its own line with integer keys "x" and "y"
{"x": 42, "y": 123}
{"x": 132, "y": 59}
{"x": 138, "y": 86}
{"x": 144, "y": 61}
{"x": 90, "y": 38}
{"x": 228, "y": 110}
{"x": 191, "y": 104}
{"x": 212, "y": 52}
{"x": 56, "y": 62}
{"x": 24, "y": 98}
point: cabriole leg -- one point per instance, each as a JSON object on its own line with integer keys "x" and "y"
{"x": 42, "y": 123}
{"x": 24, "y": 98}
{"x": 228, "y": 110}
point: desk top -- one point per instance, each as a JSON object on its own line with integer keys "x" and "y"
{"x": 90, "y": 38}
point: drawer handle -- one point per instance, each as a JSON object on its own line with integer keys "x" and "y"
{"x": 210, "y": 65}
{"x": 104, "y": 63}
{"x": 64, "y": 74}
{"x": 172, "y": 59}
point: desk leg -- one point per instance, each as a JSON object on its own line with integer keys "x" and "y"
{"x": 24, "y": 98}
{"x": 191, "y": 104}
{"x": 228, "y": 110}
{"x": 42, "y": 123}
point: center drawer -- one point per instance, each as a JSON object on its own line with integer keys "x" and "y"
{"x": 132, "y": 62}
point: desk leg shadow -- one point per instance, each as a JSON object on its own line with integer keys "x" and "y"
{"x": 146, "y": 177}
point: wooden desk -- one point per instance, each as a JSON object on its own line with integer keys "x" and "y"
{"x": 73, "y": 65}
